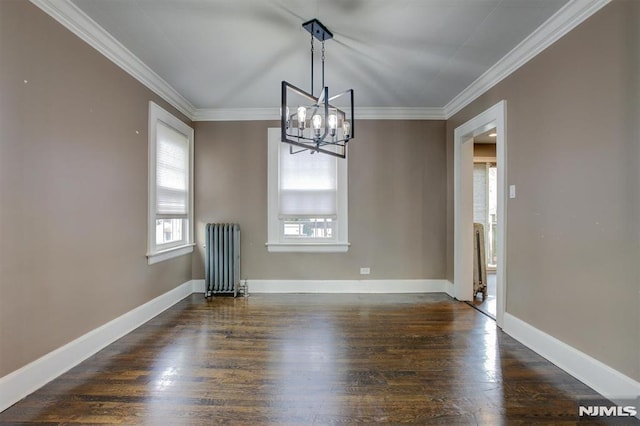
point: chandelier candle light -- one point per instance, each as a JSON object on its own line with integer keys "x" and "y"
{"x": 317, "y": 124}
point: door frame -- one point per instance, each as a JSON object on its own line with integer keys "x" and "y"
{"x": 496, "y": 116}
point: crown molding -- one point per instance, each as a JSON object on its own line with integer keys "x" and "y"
{"x": 564, "y": 20}
{"x": 260, "y": 114}
{"x": 79, "y": 23}
{"x": 400, "y": 113}
{"x": 236, "y": 114}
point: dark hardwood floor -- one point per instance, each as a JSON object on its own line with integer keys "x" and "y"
{"x": 311, "y": 359}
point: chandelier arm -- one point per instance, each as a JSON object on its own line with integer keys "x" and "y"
{"x": 319, "y": 149}
{"x": 291, "y": 151}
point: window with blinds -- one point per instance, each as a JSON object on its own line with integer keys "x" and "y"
{"x": 308, "y": 193}
{"x": 307, "y": 199}
{"x": 170, "y": 182}
{"x": 172, "y": 172}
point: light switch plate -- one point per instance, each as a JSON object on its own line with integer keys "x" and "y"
{"x": 512, "y": 191}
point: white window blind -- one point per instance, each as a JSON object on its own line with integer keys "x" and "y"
{"x": 307, "y": 184}
{"x": 172, "y": 172}
{"x": 480, "y": 193}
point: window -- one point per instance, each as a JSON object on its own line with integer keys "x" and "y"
{"x": 313, "y": 227}
{"x": 307, "y": 200}
{"x": 170, "y": 232}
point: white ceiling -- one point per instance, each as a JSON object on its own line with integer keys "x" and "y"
{"x": 400, "y": 53}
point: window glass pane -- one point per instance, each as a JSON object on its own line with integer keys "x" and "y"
{"x": 314, "y": 228}
{"x": 493, "y": 216}
{"x": 169, "y": 230}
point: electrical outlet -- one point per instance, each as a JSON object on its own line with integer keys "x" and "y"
{"x": 365, "y": 271}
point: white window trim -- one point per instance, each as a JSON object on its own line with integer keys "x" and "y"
{"x": 276, "y": 242}
{"x": 170, "y": 253}
{"x": 161, "y": 253}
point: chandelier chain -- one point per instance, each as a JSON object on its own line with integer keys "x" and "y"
{"x": 312, "y": 51}
{"x": 323, "y": 64}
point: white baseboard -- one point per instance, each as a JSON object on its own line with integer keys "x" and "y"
{"x": 20, "y": 383}
{"x": 342, "y": 286}
{"x": 349, "y": 286}
{"x": 198, "y": 286}
{"x": 603, "y": 379}
{"x": 448, "y": 288}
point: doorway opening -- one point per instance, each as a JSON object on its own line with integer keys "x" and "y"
{"x": 464, "y": 136}
{"x": 485, "y": 220}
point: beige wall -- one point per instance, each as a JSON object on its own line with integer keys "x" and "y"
{"x": 73, "y": 189}
{"x": 397, "y": 201}
{"x": 573, "y": 152}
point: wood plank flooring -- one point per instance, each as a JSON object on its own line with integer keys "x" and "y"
{"x": 311, "y": 359}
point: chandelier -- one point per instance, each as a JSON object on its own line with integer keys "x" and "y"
{"x": 316, "y": 123}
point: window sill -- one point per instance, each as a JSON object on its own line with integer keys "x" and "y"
{"x": 167, "y": 254}
{"x": 307, "y": 247}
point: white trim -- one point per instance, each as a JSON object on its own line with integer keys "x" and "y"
{"x": 169, "y": 253}
{"x": 564, "y": 20}
{"x": 158, "y": 114}
{"x": 308, "y": 247}
{"x": 348, "y": 286}
{"x": 603, "y": 379}
{"x": 397, "y": 113}
{"x": 79, "y": 23}
{"x": 275, "y": 240}
{"x": 496, "y": 116}
{"x": 362, "y": 113}
{"x": 358, "y": 286}
{"x": 236, "y": 114}
{"x": 22, "y": 382}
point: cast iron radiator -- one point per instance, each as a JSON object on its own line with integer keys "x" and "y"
{"x": 222, "y": 259}
{"x": 479, "y": 262}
